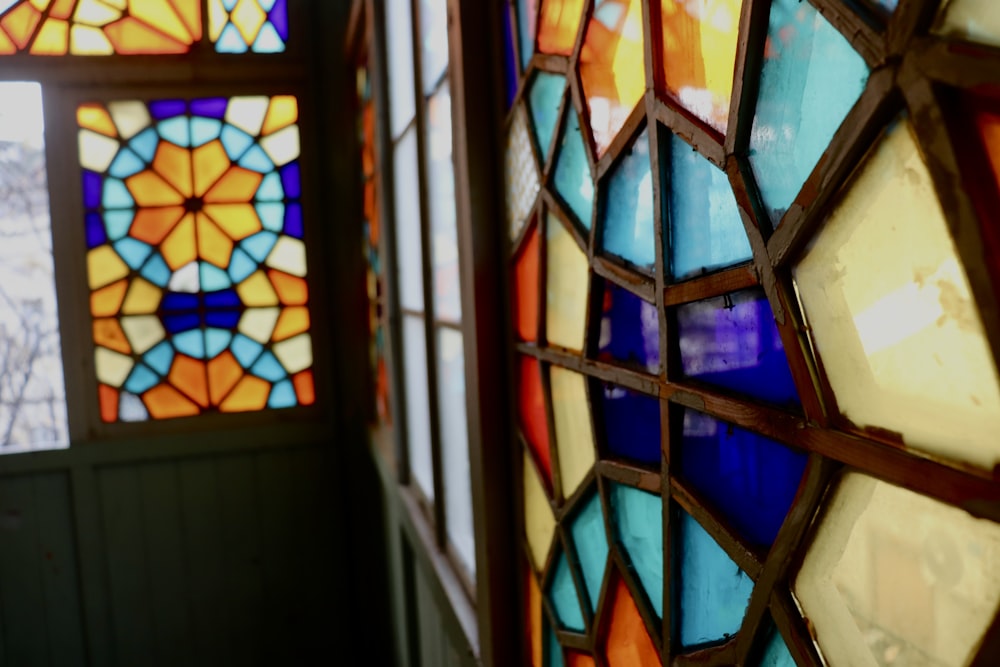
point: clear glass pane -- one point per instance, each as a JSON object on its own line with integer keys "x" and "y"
{"x": 892, "y": 315}
{"x": 441, "y": 204}
{"x": 520, "y": 173}
{"x": 574, "y": 436}
{"x": 626, "y": 214}
{"x": 455, "y": 445}
{"x": 433, "y": 42}
{"x": 630, "y": 329}
{"x": 399, "y": 43}
{"x": 893, "y": 577}
{"x": 572, "y": 171}
{"x": 32, "y": 393}
{"x": 566, "y": 288}
{"x": 638, "y": 520}
{"x": 562, "y": 593}
{"x": 974, "y": 20}
{"x": 418, "y": 425}
{"x": 410, "y": 276}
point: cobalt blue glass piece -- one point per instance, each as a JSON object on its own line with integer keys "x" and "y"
{"x": 714, "y": 591}
{"x": 177, "y": 301}
{"x": 751, "y": 479}
{"x": 95, "y": 231}
{"x": 562, "y": 593}
{"x": 630, "y": 329}
{"x": 638, "y": 521}
{"x": 293, "y": 220}
{"x": 706, "y": 230}
{"x": 544, "y": 99}
{"x": 591, "y": 544}
{"x": 810, "y": 79}
{"x": 626, "y": 211}
{"x": 161, "y": 109}
{"x": 509, "y": 62}
{"x": 291, "y": 180}
{"x": 91, "y": 189}
{"x": 278, "y": 16}
{"x": 572, "y": 177}
{"x": 223, "y": 299}
{"x": 176, "y": 323}
{"x": 210, "y": 107}
{"x": 632, "y": 424}
{"x": 732, "y": 342}
{"x": 224, "y": 319}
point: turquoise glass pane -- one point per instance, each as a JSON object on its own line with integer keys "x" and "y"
{"x": 776, "y": 653}
{"x": 706, "y": 231}
{"x": 714, "y": 591}
{"x": 527, "y": 12}
{"x": 810, "y": 80}
{"x": 626, "y": 213}
{"x": 562, "y": 593}
{"x": 572, "y": 177}
{"x": 591, "y": 543}
{"x": 638, "y": 519}
{"x": 553, "y": 650}
{"x": 544, "y": 99}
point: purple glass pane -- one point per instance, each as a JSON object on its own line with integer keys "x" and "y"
{"x": 91, "y": 189}
{"x": 509, "y": 62}
{"x": 160, "y": 109}
{"x": 209, "y": 107}
{"x": 279, "y": 19}
{"x": 630, "y": 329}
{"x": 95, "y": 231}
{"x": 732, "y": 342}
{"x": 632, "y": 424}
{"x": 291, "y": 180}
{"x": 293, "y": 220}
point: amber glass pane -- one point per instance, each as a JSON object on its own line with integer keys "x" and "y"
{"x": 566, "y": 287}
{"x": 533, "y": 600}
{"x": 539, "y": 524}
{"x": 574, "y": 435}
{"x": 524, "y": 292}
{"x": 699, "y": 54}
{"x": 611, "y": 67}
{"x": 626, "y": 644}
{"x": 560, "y": 22}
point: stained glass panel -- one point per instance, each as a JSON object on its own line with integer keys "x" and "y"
{"x": 630, "y": 329}
{"x": 562, "y": 593}
{"x": 632, "y": 424}
{"x": 194, "y": 214}
{"x": 591, "y": 543}
{"x": 544, "y": 99}
{"x": 626, "y": 212}
{"x": 572, "y": 171}
{"x": 239, "y": 26}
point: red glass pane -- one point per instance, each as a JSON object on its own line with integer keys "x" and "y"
{"x": 531, "y": 408}
{"x": 525, "y": 289}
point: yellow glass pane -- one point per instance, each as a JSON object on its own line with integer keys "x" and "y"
{"x": 108, "y": 333}
{"x": 143, "y": 298}
{"x": 574, "y": 437}
{"x": 217, "y": 19}
{"x": 236, "y": 185}
{"x": 284, "y": 110}
{"x": 257, "y": 291}
{"x": 52, "y": 39}
{"x": 106, "y": 301}
{"x": 213, "y": 245}
{"x": 291, "y": 290}
{"x": 539, "y": 524}
{"x": 189, "y": 11}
{"x": 699, "y": 55}
{"x": 559, "y": 24}
{"x": 152, "y": 225}
{"x": 118, "y": 4}
{"x": 161, "y": 15}
{"x": 887, "y": 563}
{"x": 237, "y": 220}
{"x": 258, "y": 323}
{"x": 143, "y": 332}
{"x": 191, "y": 377}
{"x": 974, "y": 20}
{"x": 180, "y": 247}
{"x": 130, "y": 37}
{"x": 611, "y": 67}
{"x": 223, "y": 374}
{"x": 149, "y": 189}
{"x": 104, "y": 267}
{"x": 165, "y": 402}
{"x": 7, "y": 47}
{"x": 248, "y": 18}
{"x": 111, "y": 368}
{"x": 210, "y": 163}
{"x": 892, "y": 316}
{"x": 88, "y": 41}
{"x": 250, "y": 394}
{"x": 61, "y": 9}
{"x": 95, "y": 117}
{"x": 565, "y": 288}
{"x": 20, "y": 24}
{"x": 173, "y": 163}
{"x": 295, "y": 354}
{"x": 292, "y": 321}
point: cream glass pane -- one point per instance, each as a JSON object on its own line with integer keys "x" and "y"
{"x": 408, "y": 244}
{"x": 565, "y": 288}
{"x": 974, "y": 20}
{"x": 520, "y": 173}
{"x": 574, "y": 437}
{"x": 418, "y": 426}
{"x": 892, "y": 315}
{"x": 539, "y": 524}
{"x": 895, "y": 578}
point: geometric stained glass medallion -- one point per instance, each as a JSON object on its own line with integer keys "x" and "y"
{"x": 196, "y": 263}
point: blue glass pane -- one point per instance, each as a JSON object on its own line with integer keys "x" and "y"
{"x": 204, "y": 130}
{"x": 176, "y": 131}
{"x": 553, "y": 650}
{"x": 591, "y": 543}
{"x": 116, "y": 195}
{"x": 260, "y": 244}
{"x": 235, "y": 142}
{"x": 632, "y": 424}
{"x": 268, "y": 40}
{"x": 811, "y": 78}
{"x": 638, "y": 519}
{"x": 223, "y": 299}
{"x": 191, "y": 343}
{"x": 145, "y": 143}
{"x": 160, "y": 358}
{"x": 572, "y": 177}
{"x": 216, "y": 341}
{"x": 732, "y": 342}
{"x": 626, "y": 213}
{"x": 176, "y": 301}
{"x": 95, "y": 230}
{"x": 156, "y": 271}
{"x": 160, "y": 109}
{"x": 131, "y": 408}
{"x": 706, "y": 231}
{"x": 293, "y": 220}
{"x": 117, "y": 223}
{"x": 245, "y": 350}
{"x": 212, "y": 277}
{"x": 630, "y": 329}
{"x": 223, "y": 320}
{"x": 562, "y": 593}
{"x": 544, "y": 99}
{"x": 269, "y": 368}
{"x": 291, "y": 180}
{"x": 91, "y": 189}
{"x": 278, "y": 16}
{"x": 179, "y": 322}
{"x": 282, "y": 395}
{"x": 210, "y": 107}
{"x": 270, "y": 188}
{"x": 776, "y": 653}
{"x": 714, "y": 591}
{"x": 509, "y": 60}
{"x": 230, "y": 41}
{"x": 133, "y": 252}
{"x": 241, "y": 265}
{"x": 526, "y": 24}
{"x": 141, "y": 379}
{"x": 752, "y": 480}
{"x": 257, "y": 160}
{"x": 126, "y": 164}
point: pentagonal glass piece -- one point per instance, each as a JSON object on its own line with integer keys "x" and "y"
{"x": 532, "y": 414}
{"x": 630, "y": 329}
{"x": 626, "y": 212}
{"x": 732, "y": 342}
{"x": 892, "y": 316}
{"x": 586, "y": 531}
{"x": 560, "y": 22}
{"x": 539, "y": 524}
{"x": 572, "y": 172}
{"x": 699, "y": 55}
{"x": 706, "y": 231}
{"x": 626, "y": 642}
{"x": 524, "y": 292}
{"x": 574, "y": 436}
{"x": 751, "y": 479}
{"x": 562, "y": 594}
{"x": 520, "y": 173}
{"x": 974, "y": 20}
{"x": 893, "y": 573}
{"x": 611, "y": 67}
{"x": 565, "y": 287}
{"x": 631, "y": 424}
{"x": 544, "y": 98}
{"x": 714, "y": 591}
{"x": 638, "y": 522}
{"x": 810, "y": 79}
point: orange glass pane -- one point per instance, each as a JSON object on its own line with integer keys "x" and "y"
{"x": 108, "y": 400}
{"x": 108, "y": 333}
{"x": 180, "y": 246}
{"x": 223, "y": 374}
{"x": 130, "y": 36}
{"x": 20, "y": 24}
{"x": 152, "y": 225}
{"x": 291, "y": 322}
{"x": 292, "y": 291}
{"x": 210, "y": 162}
{"x": 162, "y": 15}
{"x": 237, "y": 220}
{"x": 525, "y": 289}
{"x": 532, "y": 414}
{"x": 236, "y": 185}
{"x": 189, "y": 11}
{"x": 190, "y": 376}
{"x": 699, "y": 54}
{"x": 611, "y": 68}
{"x": 6, "y": 45}
{"x": 534, "y": 615}
{"x": 283, "y": 111}
{"x": 62, "y": 9}
{"x": 106, "y": 301}
{"x": 560, "y": 22}
{"x": 213, "y": 245}
{"x": 95, "y": 117}
{"x": 52, "y": 39}
{"x": 149, "y": 189}
{"x": 305, "y": 388}
{"x": 165, "y": 402}
{"x": 574, "y": 659}
{"x": 627, "y": 644}
{"x": 250, "y": 394}
{"x": 173, "y": 163}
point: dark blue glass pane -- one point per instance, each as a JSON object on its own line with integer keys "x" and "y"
{"x": 562, "y": 593}
{"x": 279, "y": 18}
{"x": 291, "y": 180}
{"x": 706, "y": 230}
{"x": 509, "y": 63}
{"x": 181, "y": 322}
{"x": 91, "y": 189}
{"x": 626, "y": 212}
{"x": 223, "y": 319}
{"x": 752, "y": 480}
{"x": 811, "y": 78}
{"x": 572, "y": 178}
{"x": 223, "y": 299}
{"x": 176, "y": 301}
{"x": 630, "y": 329}
{"x": 293, "y": 220}
{"x": 160, "y": 109}
{"x": 732, "y": 342}
{"x": 632, "y": 424}
{"x": 209, "y": 107}
{"x": 544, "y": 98}
{"x": 95, "y": 230}
{"x": 639, "y": 526}
{"x": 714, "y": 591}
